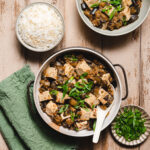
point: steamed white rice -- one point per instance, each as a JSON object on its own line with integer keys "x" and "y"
{"x": 40, "y": 26}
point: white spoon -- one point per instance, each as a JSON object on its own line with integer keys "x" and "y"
{"x": 101, "y": 114}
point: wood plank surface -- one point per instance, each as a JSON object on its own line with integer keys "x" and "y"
{"x": 132, "y": 51}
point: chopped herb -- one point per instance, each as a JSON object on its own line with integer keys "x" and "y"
{"x": 93, "y": 106}
{"x": 104, "y": 0}
{"x": 124, "y": 21}
{"x": 119, "y": 8}
{"x": 73, "y": 116}
{"x": 63, "y": 108}
{"x": 76, "y": 107}
{"x": 53, "y": 92}
{"x": 78, "y": 85}
{"x": 112, "y": 14}
{"x": 103, "y": 10}
{"x": 130, "y": 124}
{"x": 79, "y": 89}
{"x": 94, "y": 125}
{"x": 59, "y": 87}
{"x": 81, "y": 103}
{"x": 87, "y": 109}
{"x": 66, "y": 107}
{"x": 76, "y": 129}
{"x": 107, "y": 9}
{"x": 83, "y": 75}
{"x": 72, "y": 57}
{"x": 115, "y": 2}
{"x": 95, "y": 5}
{"x": 87, "y": 96}
{"x": 65, "y": 90}
{"x": 65, "y": 86}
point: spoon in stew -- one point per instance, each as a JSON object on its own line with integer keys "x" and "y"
{"x": 101, "y": 115}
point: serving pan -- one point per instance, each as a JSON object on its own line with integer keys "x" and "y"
{"x": 123, "y": 30}
{"x": 107, "y": 63}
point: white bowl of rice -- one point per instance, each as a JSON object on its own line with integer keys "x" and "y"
{"x": 40, "y": 27}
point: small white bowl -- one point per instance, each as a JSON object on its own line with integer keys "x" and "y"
{"x": 33, "y": 48}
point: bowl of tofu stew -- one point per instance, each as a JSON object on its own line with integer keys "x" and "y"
{"x": 113, "y": 17}
{"x": 70, "y": 86}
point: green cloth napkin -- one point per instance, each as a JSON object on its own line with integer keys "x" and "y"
{"x": 19, "y": 129}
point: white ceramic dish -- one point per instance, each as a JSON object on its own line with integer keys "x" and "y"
{"x": 118, "y": 90}
{"x": 124, "y": 30}
{"x": 143, "y": 137}
{"x": 30, "y": 47}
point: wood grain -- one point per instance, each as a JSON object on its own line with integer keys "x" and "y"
{"x": 145, "y": 72}
{"x": 132, "y": 51}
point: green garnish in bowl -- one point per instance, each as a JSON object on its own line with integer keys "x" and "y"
{"x": 130, "y": 124}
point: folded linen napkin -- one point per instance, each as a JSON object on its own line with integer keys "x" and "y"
{"x": 19, "y": 129}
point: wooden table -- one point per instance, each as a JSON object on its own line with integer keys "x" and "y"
{"x": 132, "y": 51}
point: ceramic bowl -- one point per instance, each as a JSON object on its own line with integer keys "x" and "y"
{"x": 30, "y": 47}
{"x": 118, "y": 32}
{"x": 143, "y": 137}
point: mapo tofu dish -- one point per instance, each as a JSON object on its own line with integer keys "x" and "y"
{"x": 111, "y": 14}
{"x": 72, "y": 87}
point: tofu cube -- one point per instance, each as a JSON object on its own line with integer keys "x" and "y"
{"x": 106, "y": 78}
{"x": 82, "y": 125}
{"x": 126, "y": 11}
{"x": 83, "y": 66}
{"x": 45, "y": 96}
{"x": 92, "y": 100}
{"x": 51, "y": 108}
{"x": 69, "y": 70}
{"x": 85, "y": 114}
{"x": 94, "y": 113}
{"x": 126, "y": 2}
{"x": 50, "y": 72}
{"x": 59, "y": 97}
{"x": 102, "y": 95}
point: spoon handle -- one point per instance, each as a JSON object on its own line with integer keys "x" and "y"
{"x": 100, "y": 119}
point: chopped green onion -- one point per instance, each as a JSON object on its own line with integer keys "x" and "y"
{"x": 94, "y": 125}
{"x": 71, "y": 57}
{"x": 83, "y": 75}
{"x": 93, "y": 106}
{"x": 53, "y": 92}
{"x": 63, "y": 108}
{"x": 95, "y": 5}
{"x": 124, "y": 20}
{"x": 59, "y": 87}
{"x": 130, "y": 124}
{"x": 112, "y": 14}
{"x": 65, "y": 86}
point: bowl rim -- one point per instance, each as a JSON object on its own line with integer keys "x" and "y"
{"x": 30, "y": 47}
{"x": 110, "y": 34}
{"x": 84, "y": 49}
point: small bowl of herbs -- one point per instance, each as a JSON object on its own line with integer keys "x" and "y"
{"x": 131, "y": 127}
